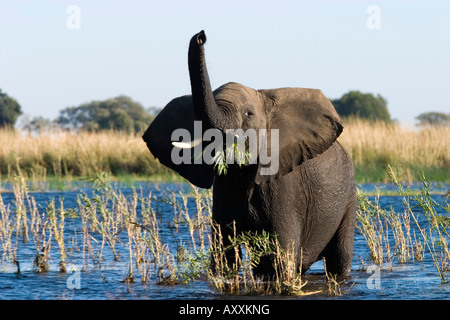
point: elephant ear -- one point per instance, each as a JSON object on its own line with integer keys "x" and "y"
{"x": 178, "y": 114}
{"x": 307, "y": 125}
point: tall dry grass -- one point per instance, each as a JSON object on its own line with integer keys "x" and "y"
{"x": 69, "y": 154}
{"x": 371, "y": 145}
{"x": 374, "y": 145}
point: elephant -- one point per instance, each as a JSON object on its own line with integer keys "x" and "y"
{"x": 309, "y": 202}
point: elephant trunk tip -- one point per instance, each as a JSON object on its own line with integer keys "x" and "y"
{"x": 201, "y": 38}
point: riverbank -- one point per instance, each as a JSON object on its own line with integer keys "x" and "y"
{"x": 372, "y": 147}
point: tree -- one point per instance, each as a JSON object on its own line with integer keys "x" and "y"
{"x": 434, "y": 119}
{"x": 120, "y": 113}
{"x": 154, "y": 111}
{"x": 362, "y": 105}
{"x": 10, "y": 110}
{"x": 36, "y": 124}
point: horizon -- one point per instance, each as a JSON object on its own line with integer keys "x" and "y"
{"x": 64, "y": 54}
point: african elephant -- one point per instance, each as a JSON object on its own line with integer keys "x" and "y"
{"x": 309, "y": 201}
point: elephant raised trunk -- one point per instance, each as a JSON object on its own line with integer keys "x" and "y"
{"x": 309, "y": 205}
{"x": 205, "y": 107}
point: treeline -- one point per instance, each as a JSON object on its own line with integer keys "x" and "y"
{"x": 124, "y": 114}
{"x": 118, "y": 114}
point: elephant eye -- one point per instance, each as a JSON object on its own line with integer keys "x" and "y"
{"x": 248, "y": 113}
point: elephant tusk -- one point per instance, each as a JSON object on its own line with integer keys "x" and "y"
{"x": 196, "y": 142}
{"x": 238, "y": 139}
{"x": 187, "y": 145}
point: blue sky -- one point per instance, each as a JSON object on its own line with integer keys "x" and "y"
{"x": 139, "y": 49}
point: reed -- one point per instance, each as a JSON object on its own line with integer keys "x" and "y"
{"x": 58, "y": 230}
{"x": 130, "y": 229}
{"x": 247, "y": 249}
{"x": 380, "y": 225}
{"x": 113, "y": 228}
{"x": 82, "y": 154}
{"x": 436, "y": 235}
{"x": 6, "y": 232}
{"x": 372, "y": 145}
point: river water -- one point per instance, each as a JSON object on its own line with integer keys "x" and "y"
{"x": 411, "y": 280}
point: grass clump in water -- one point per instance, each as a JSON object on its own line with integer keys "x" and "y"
{"x": 238, "y": 277}
{"x": 413, "y": 234}
{"x": 105, "y": 227}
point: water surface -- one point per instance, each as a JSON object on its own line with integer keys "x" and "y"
{"x": 412, "y": 280}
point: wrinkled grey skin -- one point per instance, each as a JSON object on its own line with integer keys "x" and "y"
{"x": 311, "y": 201}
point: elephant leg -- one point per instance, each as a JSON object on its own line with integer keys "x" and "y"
{"x": 338, "y": 253}
{"x": 271, "y": 264}
{"x": 265, "y": 268}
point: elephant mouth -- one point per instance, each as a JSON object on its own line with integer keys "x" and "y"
{"x": 234, "y": 151}
{"x": 230, "y": 149}
{"x": 235, "y": 154}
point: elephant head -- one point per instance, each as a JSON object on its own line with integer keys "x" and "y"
{"x": 306, "y": 122}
